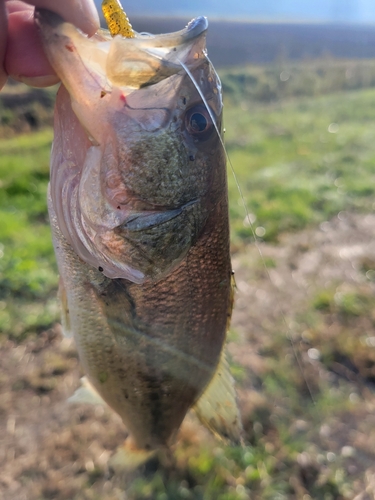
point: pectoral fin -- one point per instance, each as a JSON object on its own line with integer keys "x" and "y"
{"x": 217, "y": 408}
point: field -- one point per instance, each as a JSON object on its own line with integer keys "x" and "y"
{"x": 301, "y": 140}
{"x": 237, "y": 43}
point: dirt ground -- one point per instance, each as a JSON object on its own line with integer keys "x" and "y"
{"x": 54, "y": 450}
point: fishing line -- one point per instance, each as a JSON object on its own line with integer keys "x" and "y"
{"x": 296, "y": 353}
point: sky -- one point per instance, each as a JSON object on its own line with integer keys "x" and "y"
{"x": 347, "y": 11}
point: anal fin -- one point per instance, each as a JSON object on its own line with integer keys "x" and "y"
{"x": 86, "y": 393}
{"x": 217, "y": 408}
{"x": 129, "y": 457}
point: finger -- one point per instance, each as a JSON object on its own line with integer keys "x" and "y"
{"x": 25, "y": 59}
{"x": 3, "y": 42}
{"x": 81, "y": 13}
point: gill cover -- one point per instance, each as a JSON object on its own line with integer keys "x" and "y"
{"x": 131, "y": 176}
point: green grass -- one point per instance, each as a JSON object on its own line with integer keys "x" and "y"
{"x": 28, "y": 273}
{"x": 294, "y": 167}
{"x": 287, "y": 79}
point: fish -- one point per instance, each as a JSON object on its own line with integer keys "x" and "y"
{"x": 138, "y": 208}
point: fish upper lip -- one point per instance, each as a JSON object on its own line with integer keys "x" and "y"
{"x": 196, "y": 27}
{"x": 147, "y": 220}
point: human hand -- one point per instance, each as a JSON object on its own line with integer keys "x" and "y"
{"x": 21, "y": 53}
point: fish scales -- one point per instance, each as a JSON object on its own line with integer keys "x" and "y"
{"x": 139, "y": 216}
{"x": 130, "y": 342}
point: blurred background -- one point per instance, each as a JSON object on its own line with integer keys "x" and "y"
{"x": 349, "y": 11}
{"x": 299, "y": 91}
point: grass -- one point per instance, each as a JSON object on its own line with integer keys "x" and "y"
{"x": 28, "y": 273}
{"x": 301, "y": 161}
{"x": 289, "y": 80}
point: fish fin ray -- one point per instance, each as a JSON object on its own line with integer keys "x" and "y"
{"x": 129, "y": 457}
{"x": 86, "y": 393}
{"x": 217, "y": 408}
{"x": 65, "y": 316}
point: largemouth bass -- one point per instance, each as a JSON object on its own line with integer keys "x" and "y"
{"x": 139, "y": 214}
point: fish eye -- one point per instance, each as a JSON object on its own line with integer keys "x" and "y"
{"x": 198, "y": 122}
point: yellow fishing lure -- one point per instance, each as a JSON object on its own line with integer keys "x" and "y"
{"x": 116, "y": 19}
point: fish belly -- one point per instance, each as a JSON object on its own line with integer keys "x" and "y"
{"x": 150, "y": 350}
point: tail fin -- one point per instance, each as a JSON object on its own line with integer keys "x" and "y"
{"x": 217, "y": 408}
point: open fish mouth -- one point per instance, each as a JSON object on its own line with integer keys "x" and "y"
{"x": 130, "y": 63}
{"x": 131, "y": 125}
